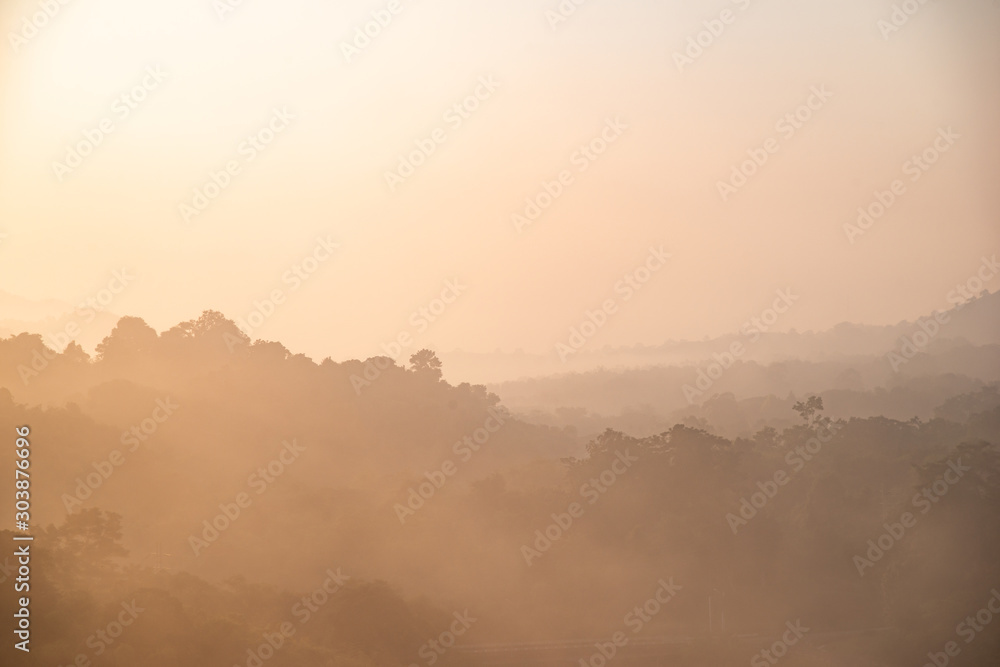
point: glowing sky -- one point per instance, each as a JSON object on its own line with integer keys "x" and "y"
{"x": 681, "y": 129}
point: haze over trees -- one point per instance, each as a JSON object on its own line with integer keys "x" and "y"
{"x": 433, "y": 499}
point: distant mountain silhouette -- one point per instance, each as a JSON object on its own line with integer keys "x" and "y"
{"x": 977, "y": 322}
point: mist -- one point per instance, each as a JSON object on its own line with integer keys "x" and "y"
{"x": 401, "y": 334}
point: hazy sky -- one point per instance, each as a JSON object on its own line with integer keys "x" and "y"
{"x": 680, "y": 130}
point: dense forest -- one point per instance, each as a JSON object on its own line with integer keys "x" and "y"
{"x": 206, "y": 497}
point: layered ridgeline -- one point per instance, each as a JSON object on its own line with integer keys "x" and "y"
{"x": 227, "y": 488}
{"x": 965, "y": 318}
{"x": 739, "y": 384}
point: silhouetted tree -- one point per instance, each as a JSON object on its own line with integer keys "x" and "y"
{"x": 426, "y": 363}
{"x": 131, "y": 336}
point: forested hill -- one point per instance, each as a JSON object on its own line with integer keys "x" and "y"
{"x": 175, "y": 461}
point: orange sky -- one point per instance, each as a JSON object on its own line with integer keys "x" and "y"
{"x": 197, "y": 87}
